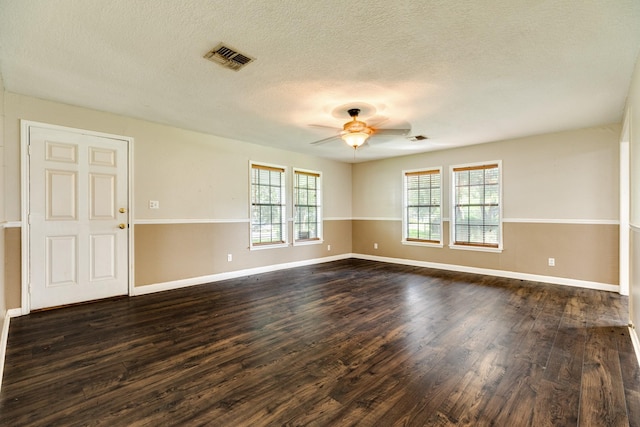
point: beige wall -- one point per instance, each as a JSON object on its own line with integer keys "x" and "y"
{"x": 633, "y": 117}
{"x": 560, "y": 200}
{"x": 12, "y": 267}
{"x": 181, "y": 169}
{"x": 195, "y": 177}
{"x": 203, "y": 248}
{"x": 565, "y": 175}
{"x": 527, "y": 249}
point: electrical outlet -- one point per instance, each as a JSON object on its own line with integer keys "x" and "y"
{"x": 552, "y": 262}
{"x": 375, "y": 246}
{"x": 154, "y": 204}
{"x": 229, "y": 257}
{"x": 328, "y": 247}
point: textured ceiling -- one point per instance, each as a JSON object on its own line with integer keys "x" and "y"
{"x": 459, "y": 72}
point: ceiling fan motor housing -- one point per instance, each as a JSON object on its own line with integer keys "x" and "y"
{"x": 356, "y": 125}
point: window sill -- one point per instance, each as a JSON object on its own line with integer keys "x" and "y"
{"x": 262, "y": 247}
{"x": 426, "y": 244}
{"x": 308, "y": 242}
{"x": 476, "y": 248}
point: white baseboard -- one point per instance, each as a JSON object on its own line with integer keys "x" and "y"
{"x": 5, "y": 336}
{"x": 499, "y": 273}
{"x": 176, "y": 284}
{"x": 636, "y": 342}
{"x": 3, "y": 344}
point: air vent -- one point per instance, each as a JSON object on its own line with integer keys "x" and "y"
{"x": 228, "y": 57}
{"x": 416, "y": 138}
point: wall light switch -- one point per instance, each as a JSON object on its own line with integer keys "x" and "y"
{"x": 552, "y": 262}
{"x": 328, "y": 247}
{"x": 229, "y": 257}
{"x": 154, "y": 204}
{"x": 375, "y": 246}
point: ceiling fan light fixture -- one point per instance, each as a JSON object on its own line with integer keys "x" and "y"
{"x": 355, "y": 132}
{"x": 355, "y": 139}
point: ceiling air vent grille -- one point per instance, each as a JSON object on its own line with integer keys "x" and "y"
{"x": 417, "y": 138}
{"x": 228, "y": 57}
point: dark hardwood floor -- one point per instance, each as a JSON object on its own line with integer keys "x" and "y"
{"x": 344, "y": 343}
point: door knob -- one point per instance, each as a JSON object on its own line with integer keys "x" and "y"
{"x": 122, "y": 226}
{"x": 122, "y": 210}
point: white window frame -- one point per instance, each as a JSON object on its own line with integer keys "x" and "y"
{"x": 452, "y": 210}
{"x": 319, "y": 202}
{"x": 405, "y": 206}
{"x": 284, "y": 222}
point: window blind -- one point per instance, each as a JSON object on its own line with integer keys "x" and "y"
{"x": 477, "y": 205}
{"x": 423, "y": 216}
{"x": 308, "y": 213}
{"x": 268, "y": 205}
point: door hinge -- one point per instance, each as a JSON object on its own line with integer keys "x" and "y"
{"x": 29, "y": 149}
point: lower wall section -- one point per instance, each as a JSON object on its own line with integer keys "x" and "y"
{"x": 174, "y": 252}
{"x": 12, "y": 267}
{"x": 585, "y": 252}
{"x": 171, "y": 252}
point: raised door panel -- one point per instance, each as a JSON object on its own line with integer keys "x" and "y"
{"x": 61, "y": 197}
{"x": 61, "y": 261}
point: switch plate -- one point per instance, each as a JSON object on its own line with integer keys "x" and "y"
{"x": 154, "y": 204}
{"x": 375, "y": 246}
{"x": 229, "y": 257}
{"x": 328, "y": 247}
{"x": 552, "y": 262}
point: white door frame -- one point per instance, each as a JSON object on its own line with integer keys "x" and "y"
{"x": 25, "y": 126}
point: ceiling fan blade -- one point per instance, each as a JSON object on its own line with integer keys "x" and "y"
{"x": 392, "y": 131}
{"x": 325, "y": 140}
{"x": 323, "y": 126}
{"x": 375, "y": 121}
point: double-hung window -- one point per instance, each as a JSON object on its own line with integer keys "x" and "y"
{"x": 422, "y": 220}
{"x": 307, "y": 199}
{"x": 476, "y": 211}
{"x": 268, "y": 206}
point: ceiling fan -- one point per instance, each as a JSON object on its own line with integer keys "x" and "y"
{"x": 356, "y": 132}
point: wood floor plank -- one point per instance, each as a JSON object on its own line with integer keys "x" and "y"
{"x": 344, "y": 343}
{"x": 630, "y": 375}
{"x": 465, "y": 406}
{"x": 602, "y": 400}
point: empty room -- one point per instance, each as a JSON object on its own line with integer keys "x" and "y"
{"x": 301, "y": 213}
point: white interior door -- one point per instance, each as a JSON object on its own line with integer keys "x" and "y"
{"x": 78, "y": 217}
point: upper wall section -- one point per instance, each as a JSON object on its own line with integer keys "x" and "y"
{"x": 192, "y": 175}
{"x": 561, "y": 176}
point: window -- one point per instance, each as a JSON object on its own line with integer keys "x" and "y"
{"x": 307, "y": 196}
{"x": 476, "y": 206}
{"x": 422, "y": 214}
{"x": 268, "y": 206}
